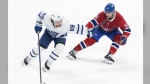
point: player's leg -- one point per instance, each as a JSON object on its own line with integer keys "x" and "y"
{"x": 54, "y": 55}
{"x": 45, "y": 40}
{"x": 33, "y": 54}
{"x": 84, "y": 44}
{"x": 115, "y": 37}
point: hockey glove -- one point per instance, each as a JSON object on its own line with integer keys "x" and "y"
{"x": 91, "y": 32}
{"x": 123, "y": 40}
{"x": 38, "y": 27}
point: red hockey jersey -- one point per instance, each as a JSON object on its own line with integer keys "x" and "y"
{"x": 109, "y": 25}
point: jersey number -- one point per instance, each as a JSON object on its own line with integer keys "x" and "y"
{"x": 72, "y": 27}
{"x": 126, "y": 25}
{"x": 41, "y": 15}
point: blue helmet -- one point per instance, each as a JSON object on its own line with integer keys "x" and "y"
{"x": 109, "y": 7}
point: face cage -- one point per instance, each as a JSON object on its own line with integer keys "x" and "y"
{"x": 53, "y": 22}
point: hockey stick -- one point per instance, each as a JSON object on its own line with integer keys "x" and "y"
{"x": 40, "y": 60}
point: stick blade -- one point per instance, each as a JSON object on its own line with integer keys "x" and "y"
{"x": 43, "y": 83}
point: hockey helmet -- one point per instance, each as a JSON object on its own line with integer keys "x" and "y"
{"x": 56, "y": 17}
{"x": 110, "y": 7}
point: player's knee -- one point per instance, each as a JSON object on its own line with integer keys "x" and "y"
{"x": 43, "y": 46}
{"x": 36, "y": 50}
{"x": 117, "y": 38}
{"x": 59, "y": 47}
{"x": 89, "y": 41}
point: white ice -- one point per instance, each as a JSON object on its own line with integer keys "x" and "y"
{"x": 88, "y": 68}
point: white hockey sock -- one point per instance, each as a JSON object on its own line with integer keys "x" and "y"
{"x": 35, "y": 52}
{"x": 55, "y": 53}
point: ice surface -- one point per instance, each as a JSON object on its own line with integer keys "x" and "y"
{"x": 88, "y": 68}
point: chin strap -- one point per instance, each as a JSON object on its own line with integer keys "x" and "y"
{"x": 53, "y": 23}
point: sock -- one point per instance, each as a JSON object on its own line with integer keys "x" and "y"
{"x": 114, "y": 47}
{"x": 55, "y": 53}
{"x": 84, "y": 44}
{"x": 35, "y": 52}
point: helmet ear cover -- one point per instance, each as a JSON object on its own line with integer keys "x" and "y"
{"x": 52, "y": 21}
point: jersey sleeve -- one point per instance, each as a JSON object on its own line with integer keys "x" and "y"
{"x": 125, "y": 28}
{"x": 78, "y": 29}
{"x": 40, "y": 16}
{"x": 94, "y": 22}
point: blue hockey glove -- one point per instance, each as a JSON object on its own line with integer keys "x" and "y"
{"x": 123, "y": 40}
{"x": 38, "y": 27}
{"x": 92, "y": 31}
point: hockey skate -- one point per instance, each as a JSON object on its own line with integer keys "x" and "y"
{"x": 26, "y": 61}
{"x": 46, "y": 66}
{"x": 108, "y": 59}
{"x": 72, "y": 55}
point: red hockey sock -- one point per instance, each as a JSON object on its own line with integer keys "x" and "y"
{"x": 112, "y": 50}
{"x": 84, "y": 44}
{"x": 114, "y": 47}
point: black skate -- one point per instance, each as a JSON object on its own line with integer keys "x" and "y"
{"x": 46, "y": 66}
{"x": 72, "y": 55}
{"x": 108, "y": 59}
{"x": 26, "y": 61}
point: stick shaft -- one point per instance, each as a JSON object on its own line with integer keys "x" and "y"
{"x": 39, "y": 59}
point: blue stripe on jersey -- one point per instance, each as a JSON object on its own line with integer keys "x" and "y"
{"x": 52, "y": 58}
{"x": 39, "y": 22}
{"x": 82, "y": 30}
{"x": 78, "y": 29}
{"x": 39, "y": 14}
{"x": 82, "y": 44}
{"x": 32, "y": 55}
{"x": 94, "y": 22}
{"x": 128, "y": 30}
{"x": 116, "y": 45}
{"x": 34, "y": 52}
{"x": 55, "y": 54}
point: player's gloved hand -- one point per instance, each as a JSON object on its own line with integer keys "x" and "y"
{"x": 89, "y": 34}
{"x": 123, "y": 40}
{"x": 92, "y": 31}
{"x": 38, "y": 27}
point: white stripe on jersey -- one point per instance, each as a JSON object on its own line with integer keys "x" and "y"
{"x": 92, "y": 23}
{"x": 114, "y": 46}
{"x": 126, "y": 31}
{"x": 96, "y": 21}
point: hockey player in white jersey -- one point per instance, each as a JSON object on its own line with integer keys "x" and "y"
{"x": 56, "y": 30}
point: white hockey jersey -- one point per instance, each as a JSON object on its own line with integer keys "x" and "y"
{"x": 56, "y": 32}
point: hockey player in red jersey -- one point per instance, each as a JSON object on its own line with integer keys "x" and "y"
{"x": 106, "y": 23}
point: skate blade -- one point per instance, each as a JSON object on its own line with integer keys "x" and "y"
{"x": 106, "y": 62}
{"x": 45, "y": 70}
{"x": 70, "y": 57}
{"x": 23, "y": 64}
